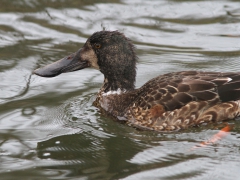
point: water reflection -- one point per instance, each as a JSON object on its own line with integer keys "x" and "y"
{"x": 85, "y": 154}
{"x": 49, "y": 128}
{"x": 108, "y": 158}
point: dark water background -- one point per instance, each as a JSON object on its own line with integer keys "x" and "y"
{"x": 49, "y": 128}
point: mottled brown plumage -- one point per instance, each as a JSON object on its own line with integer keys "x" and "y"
{"x": 168, "y": 102}
{"x": 176, "y": 101}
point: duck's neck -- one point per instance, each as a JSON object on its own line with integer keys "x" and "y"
{"x": 119, "y": 84}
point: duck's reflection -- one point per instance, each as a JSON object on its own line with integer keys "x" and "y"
{"x": 85, "y": 154}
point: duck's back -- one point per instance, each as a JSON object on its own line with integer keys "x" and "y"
{"x": 178, "y": 100}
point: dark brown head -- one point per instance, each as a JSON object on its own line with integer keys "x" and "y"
{"x": 108, "y": 51}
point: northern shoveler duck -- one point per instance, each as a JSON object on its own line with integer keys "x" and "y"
{"x": 168, "y": 102}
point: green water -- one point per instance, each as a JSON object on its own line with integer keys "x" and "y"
{"x": 48, "y": 126}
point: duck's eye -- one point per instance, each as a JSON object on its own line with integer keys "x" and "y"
{"x": 97, "y": 46}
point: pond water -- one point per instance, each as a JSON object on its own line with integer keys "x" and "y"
{"x": 48, "y": 126}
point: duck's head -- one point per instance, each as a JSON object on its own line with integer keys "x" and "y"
{"x": 108, "y": 51}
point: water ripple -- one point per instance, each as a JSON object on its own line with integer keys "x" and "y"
{"x": 49, "y": 128}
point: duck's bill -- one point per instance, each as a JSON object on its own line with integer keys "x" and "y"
{"x": 70, "y": 63}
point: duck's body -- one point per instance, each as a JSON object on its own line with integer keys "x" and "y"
{"x": 166, "y": 103}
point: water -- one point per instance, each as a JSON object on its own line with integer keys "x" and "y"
{"x": 48, "y": 126}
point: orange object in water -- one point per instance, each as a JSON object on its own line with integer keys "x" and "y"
{"x": 221, "y": 134}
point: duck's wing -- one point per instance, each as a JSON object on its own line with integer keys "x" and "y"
{"x": 178, "y": 100}
{"x": 175, "y": 90}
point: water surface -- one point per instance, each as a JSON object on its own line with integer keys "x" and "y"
{"x": 48, "y": 126}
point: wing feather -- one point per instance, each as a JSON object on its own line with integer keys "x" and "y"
{"x": 175, "y": 90}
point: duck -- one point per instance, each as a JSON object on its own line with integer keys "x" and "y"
{"x": 166, "y": 103}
